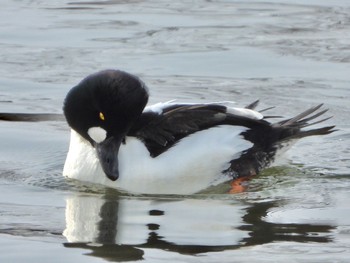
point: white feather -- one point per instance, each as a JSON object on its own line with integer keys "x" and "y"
{"x": 248, "y": 113}
{"x": 193, "y": 164}
{"x": 98, "y": 134}
{"x": 159, "y": 107}
{"x": 81, "y": 162}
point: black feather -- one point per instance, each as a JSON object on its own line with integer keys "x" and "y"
{"x": 159, "y": 132}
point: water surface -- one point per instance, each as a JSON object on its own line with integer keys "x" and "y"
{"x": 288, "y": 54}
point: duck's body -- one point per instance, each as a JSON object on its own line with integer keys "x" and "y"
{"x": 167, "y": 148}
{"x": 184, "y": 166}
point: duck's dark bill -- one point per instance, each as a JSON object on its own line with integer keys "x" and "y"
{"x": 107, "y": 152}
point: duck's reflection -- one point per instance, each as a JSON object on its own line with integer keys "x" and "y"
{"x": 119, "y": 228}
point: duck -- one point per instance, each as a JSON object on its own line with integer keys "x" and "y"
{"x": 119, "y": 141}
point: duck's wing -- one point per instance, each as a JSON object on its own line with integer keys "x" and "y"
{"x": 162, "y": 126}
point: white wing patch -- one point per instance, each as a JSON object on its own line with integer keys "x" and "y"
{"x": 158, "y": 107}
{"x": 248, "y": 113}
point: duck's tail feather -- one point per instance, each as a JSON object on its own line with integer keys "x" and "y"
{"x": 320, "y": 131}
{"x": 278, "y": 136}
{"x": 293, "y": 126}
{"x": 252, "y": 105}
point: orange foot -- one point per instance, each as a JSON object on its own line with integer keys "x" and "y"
{"x": 239, "y": 185}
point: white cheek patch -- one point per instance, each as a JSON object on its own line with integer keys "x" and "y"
{"x": 97, "y": 134}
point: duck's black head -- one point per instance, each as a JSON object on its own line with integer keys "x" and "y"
{"x": 102, "y": 108}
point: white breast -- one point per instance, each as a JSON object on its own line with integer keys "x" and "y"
{"x": 193, "y": 164}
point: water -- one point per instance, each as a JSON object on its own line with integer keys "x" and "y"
{"x": 286, "y": 53}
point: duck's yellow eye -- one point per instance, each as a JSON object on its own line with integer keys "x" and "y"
{"x": 102, "y": 117}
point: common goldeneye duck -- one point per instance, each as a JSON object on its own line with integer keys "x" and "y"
{"x": 168, "y": 148}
